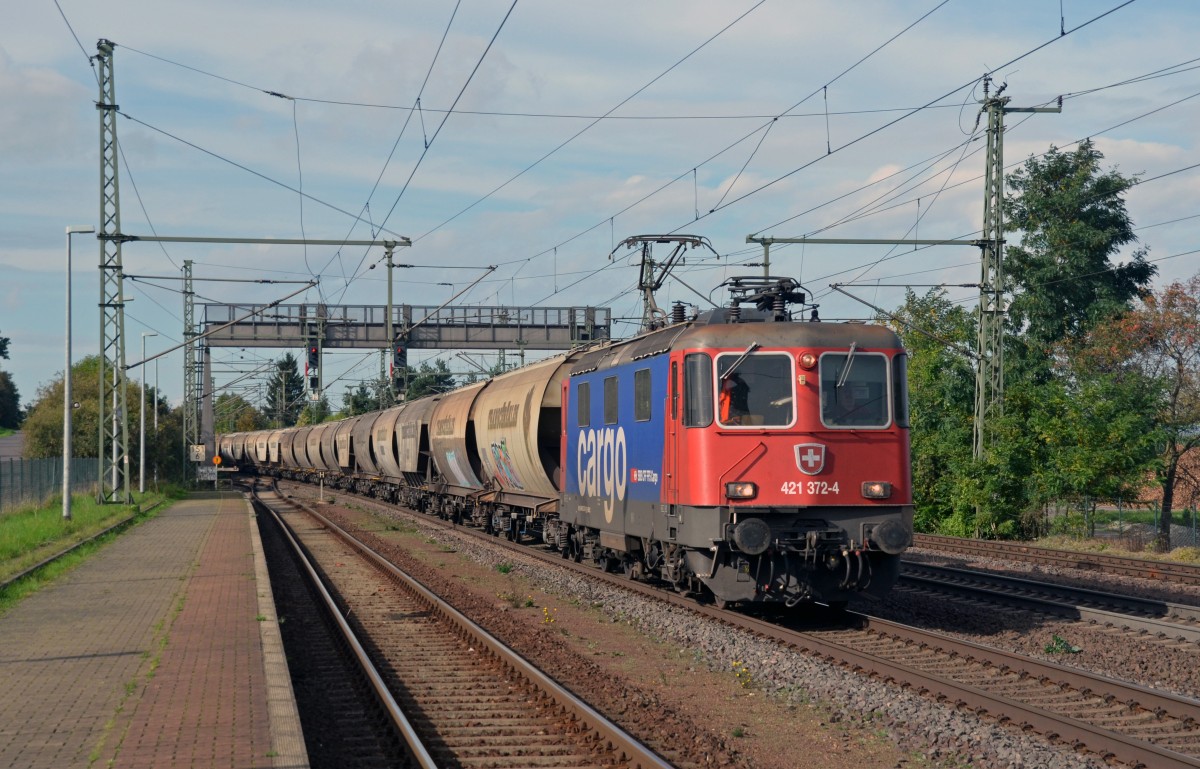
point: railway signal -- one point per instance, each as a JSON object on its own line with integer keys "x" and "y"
{"x": 399, "y": 358}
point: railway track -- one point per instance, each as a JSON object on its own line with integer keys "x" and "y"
{"x": 1130, "y": 723}
{"x": 458, "y": 696}
{"x": 1080, "y": 710}
{"x": 1167, "y": 571}
{"x": 1162, "y": 620}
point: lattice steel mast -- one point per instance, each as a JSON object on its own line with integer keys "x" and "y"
{"x": 989, "y": 375}
{"x": 113, "y": 447}
{"x": 192, "y": 383}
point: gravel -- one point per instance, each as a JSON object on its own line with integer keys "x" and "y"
{"x": 939, "y": 732}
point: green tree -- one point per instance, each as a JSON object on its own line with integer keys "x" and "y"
{"x": 43, "y": 427}
{"x": 1161, "y": 341}
{"x": 10, "y": 399}
{"x": 429, "y": 379}
{"x": 233, "y": 414}
{"x": 359, "y": 401}
{"x": 1054, "y": 440}
{"x": 1086, "y": 434}
{"x": 285, "y": 392}
{"x": 937, "y": 334}
{"x": 1072, "y": 219}
{"x": 10, "y": 402}
{"x": 314, "y": 413}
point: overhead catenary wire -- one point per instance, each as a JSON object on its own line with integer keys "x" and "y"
{"x": 823, "y": 86}
{"x": 400, "y": 135}
{"x": 429, "y": 142}
{"x": 891, "y": 123}
{"x": 525, "y": 275}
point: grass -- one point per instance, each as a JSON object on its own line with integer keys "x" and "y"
{"x": 33, "y": 534}
{"x": 6, "y": 431}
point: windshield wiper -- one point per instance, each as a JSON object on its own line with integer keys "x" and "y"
{"x": 729, "y": 371}
{"x": 846, "y": 369}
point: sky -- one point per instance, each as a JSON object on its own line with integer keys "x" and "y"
{"x": 536, "y": 136}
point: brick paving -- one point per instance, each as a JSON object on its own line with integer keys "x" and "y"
{"x": 151, "y": 654}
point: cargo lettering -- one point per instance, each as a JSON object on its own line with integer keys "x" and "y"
{"x": 601, "y": 464}
{"x": 503, "y": 416}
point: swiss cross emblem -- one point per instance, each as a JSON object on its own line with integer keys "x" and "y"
{"x": 810, "y": 458}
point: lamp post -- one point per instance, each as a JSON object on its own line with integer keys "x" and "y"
{"x": 67, "y": 404}
{"x": 142, "y": 408}
{"x": 156, "y": 421}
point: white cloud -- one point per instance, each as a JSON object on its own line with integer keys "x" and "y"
{"x": 564, "y": 214}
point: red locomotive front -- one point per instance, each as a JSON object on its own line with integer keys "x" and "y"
{"x": 789, "y": 459}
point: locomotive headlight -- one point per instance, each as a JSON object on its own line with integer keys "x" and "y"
{"x": 741, "y": 490}
{"x": 808, "y": 360}
{"x": 876, "y": 489}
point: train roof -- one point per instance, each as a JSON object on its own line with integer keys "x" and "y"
{"x": 718, "y": 329}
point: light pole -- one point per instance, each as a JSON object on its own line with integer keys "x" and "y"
{"x": 156, "y": 421}
{"x": 67, "y": 404}
{"x": 142, "y": 408}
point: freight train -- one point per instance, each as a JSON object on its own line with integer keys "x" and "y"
{"x": 739, "y": 455}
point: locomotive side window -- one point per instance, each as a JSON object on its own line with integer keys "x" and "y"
{"x": 610, "y": 400}
{"x": 641, "y": 395}
{"x": 583, "y": 401}
{"x": 854, "y": 389}
{"x": 755, "y": 392}
{"x": 900, "y": 389}
{"x": 674, "y": 390}
{"x": 697, "y": 390}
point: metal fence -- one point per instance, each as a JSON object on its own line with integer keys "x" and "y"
{"x": 33, "y": 481}
{"x": 1135, "y": 526}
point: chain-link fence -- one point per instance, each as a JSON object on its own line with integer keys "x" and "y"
{"x": 33, "y": 481}
{"x": 1134, "y": 526}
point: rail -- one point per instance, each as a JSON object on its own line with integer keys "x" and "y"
{"x": 1167, "y": 571}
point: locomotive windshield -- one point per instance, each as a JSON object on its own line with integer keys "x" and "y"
{"x": 755, "y": 392}
{"x": 854, "y": 389}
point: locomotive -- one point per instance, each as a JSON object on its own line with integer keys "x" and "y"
{"x": 738, "y": 455}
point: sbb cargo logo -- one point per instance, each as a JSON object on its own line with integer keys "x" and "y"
{"x": 601, "y": 463}
{"x": 643, "y": 476}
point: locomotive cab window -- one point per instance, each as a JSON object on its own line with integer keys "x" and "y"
{"x": 697, "y": 390}
{"x": 610, "y": 400}
{"x": 755, "y": 390}
{"x": 854, "y": 389}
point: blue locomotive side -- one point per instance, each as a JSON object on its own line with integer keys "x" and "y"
{"x": 614, "y": 446}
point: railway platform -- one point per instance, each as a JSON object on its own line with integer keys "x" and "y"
{"x": 162, "y": 650}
